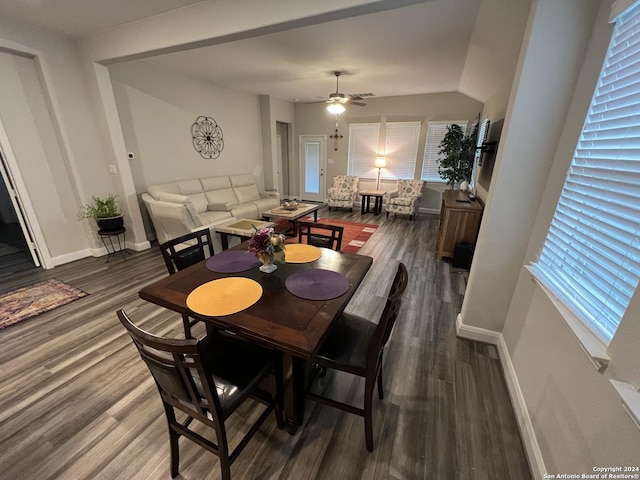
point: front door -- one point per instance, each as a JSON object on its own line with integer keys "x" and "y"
{"x": 313, "y": 159}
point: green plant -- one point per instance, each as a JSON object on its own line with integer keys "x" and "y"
{"x": 100, "y": 208}
{"x": 458, "y": 151}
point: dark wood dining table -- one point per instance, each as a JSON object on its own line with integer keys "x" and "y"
{"x": 280, "y": 320}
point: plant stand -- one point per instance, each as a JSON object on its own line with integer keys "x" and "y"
{"x": 110, "y": 245}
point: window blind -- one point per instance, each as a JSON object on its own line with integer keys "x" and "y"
{"x": 363, "y": 149}
{"x": 591, "y": 256}
{"x": 482, "y": 136}
{"x": 435, "y": 133}
{"x": 401, "y": 149}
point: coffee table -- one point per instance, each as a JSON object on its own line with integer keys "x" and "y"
{"x": 239, "y": 227}
{"x": 293, "y": 215}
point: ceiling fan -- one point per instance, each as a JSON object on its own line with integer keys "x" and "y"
{"x": 338, "y": 100}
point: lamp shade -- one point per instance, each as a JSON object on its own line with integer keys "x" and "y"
{"x": 335, "y": 108}
{"x": 380, "y": 162}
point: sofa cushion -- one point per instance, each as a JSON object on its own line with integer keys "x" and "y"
{"x": 265, "y": 204}
{"x": 245, "y": 188}
{"x": 193, "y": 189}
{"x": 245, "y": 210}
{"x": 221, "y": 196}
{"x": 213, "y": 217}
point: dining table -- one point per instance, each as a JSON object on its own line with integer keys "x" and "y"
{"x": 290, "y": 310}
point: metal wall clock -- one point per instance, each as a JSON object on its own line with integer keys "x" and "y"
{"x": 207, "y": 137}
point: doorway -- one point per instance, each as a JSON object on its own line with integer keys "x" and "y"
{"x": 313, "y": 159}
{"x": 16, "y": 254}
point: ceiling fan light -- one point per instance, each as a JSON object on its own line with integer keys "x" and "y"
{"x": 336, "y": 108}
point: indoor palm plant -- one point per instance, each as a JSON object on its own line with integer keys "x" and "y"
{"x": 458, "y": 152}
{"x": 104, "y": 211}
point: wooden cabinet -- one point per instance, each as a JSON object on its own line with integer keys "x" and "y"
{"x": 459, "y": 222}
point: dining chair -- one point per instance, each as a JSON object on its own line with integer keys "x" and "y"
{"x": 321, "y": 235}
{"x": 207, "y": 380}
{"x": 182, "y": 252}
{"x": 356, "y": 346}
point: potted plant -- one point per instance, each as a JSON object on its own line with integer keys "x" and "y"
{"x": 458, "y": 152}
{"x": 104, "y": 211}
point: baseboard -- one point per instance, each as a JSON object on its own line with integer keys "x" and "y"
{"x": 534, "y": 455}
{"x": 476, "y": 333}
{"x": 138, "y": 247}
{"x": 71, "y": 257}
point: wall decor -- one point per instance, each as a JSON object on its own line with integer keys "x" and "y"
{"x": 207, "y": 137}
{"x": 336, "y": 136}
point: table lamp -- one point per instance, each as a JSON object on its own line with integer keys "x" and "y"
{"x": 379, "y": 163}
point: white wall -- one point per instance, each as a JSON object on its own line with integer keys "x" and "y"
{"x": 157, "y": 108}
{"x": 313, "y": 119}
{"x": 63, "y": 162}
{"x": 576, "y": 418}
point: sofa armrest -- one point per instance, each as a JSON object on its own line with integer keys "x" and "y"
{"x": 271, "y": 194}
{"x": 220, "y": 207}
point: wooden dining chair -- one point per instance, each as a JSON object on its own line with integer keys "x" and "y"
{"x": 356, "y": 346}
{"x": 182, "y": 252}
{"x": 208, "y": 380}
{"x": 321, "y": 235}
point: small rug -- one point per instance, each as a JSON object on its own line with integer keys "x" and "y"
{"x": 30, "y": 301}
{"x": 354, "y": 236}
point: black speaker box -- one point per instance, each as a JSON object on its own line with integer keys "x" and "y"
{"x": 462, "y": 255}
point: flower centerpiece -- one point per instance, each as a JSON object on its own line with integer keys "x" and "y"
{"x": 268, "y": 246}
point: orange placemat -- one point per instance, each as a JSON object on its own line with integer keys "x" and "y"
{"x": 224, "y": 296}
{"x": 301, "y": 253}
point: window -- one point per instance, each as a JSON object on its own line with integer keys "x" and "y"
{"x": 435, "y": 133}
{"x": 363, "y": 149}
{"x": 483, "y": 130}
{"x": 591, "y": 256}
{"x": 401, "y": 149}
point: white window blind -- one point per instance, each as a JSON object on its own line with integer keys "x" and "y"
{"x": 435, "y": 133}
{"x": 591, "y": 256}
{"x": 401, "y": 149}
{"x": 483, "y": 130}
{"x": 363, "y": 149}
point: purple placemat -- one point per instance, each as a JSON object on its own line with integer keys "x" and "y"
{"x": 232, "y": 261}
{"x": 317, "y": 284}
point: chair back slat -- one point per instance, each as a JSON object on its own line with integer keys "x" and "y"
{"x": 389, "y": 315}
{"x": 321, "y": 234}
{"x": 178, "y": 370}
{"x": 186, "y": 250}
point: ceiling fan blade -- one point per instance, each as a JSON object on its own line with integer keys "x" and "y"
{"x": 358, "y": 104}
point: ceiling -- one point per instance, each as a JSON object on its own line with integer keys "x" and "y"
{"x": 468, "y": 46}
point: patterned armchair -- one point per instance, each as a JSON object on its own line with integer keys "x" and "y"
{"x": 343, "y": 192}
{"x": 405, "y": 198}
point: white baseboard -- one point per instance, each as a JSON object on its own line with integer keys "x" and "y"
{"x": 71, "y": 257}
{"x": 532, "y": 449}
{"x": 534, "y": 455}
{"x": 476, "y": 333}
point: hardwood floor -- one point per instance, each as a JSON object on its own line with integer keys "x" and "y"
{"x": 76, "y": 401}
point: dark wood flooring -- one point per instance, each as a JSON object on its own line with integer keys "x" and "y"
{"x": 76, "y": 402}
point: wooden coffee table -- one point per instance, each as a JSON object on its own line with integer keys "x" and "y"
{"x": 293, "y": 215}
{"x": 365, "y": 201}
{"x": 239, "y": 227}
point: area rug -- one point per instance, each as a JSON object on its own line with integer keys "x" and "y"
{"x": 30, "y": 301}
{"x": 354, "y": 236}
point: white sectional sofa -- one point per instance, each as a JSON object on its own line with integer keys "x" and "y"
{"x": 181, "y": 207}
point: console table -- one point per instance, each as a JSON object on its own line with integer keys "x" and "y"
{"x": 459, "y": 222}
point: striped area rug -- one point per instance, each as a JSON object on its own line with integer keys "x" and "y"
{"x": 354, "y": 236}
